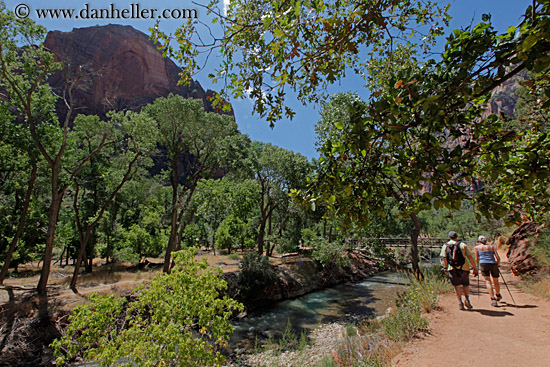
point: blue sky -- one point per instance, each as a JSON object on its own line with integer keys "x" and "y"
{"x": 298, "y": 134}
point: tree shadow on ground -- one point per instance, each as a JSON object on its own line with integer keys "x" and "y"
{"x": 28, "y": 329}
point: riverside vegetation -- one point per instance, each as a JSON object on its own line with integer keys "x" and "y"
{"x": 538, "y": 282}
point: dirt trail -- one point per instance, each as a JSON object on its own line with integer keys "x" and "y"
{"x": 485, "y": 336}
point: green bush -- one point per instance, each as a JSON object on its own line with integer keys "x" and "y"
{"x": 255, "y": 273}
{"x": 289, "y": 339}
{"x": 406, "y": 321}
{"x": 234, "y": 256}
{"x": 285, "y": 245}
{"x": 308, "y": 234}
{"x": 229, "y": 233}
{"x": 541, "y": 249}
{"x": 327, "y": 361}
{"x": 330, "y": 252}
{"x": 177, "y": 319}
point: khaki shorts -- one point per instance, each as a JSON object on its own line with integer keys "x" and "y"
{"x": 459, "y": 277}
{"x": 489, "y": 268}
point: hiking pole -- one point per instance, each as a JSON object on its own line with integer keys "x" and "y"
{"x": 504, "y": 281}
{"x": 478, "y": 276}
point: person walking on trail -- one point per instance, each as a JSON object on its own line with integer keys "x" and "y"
{"x": 454, "y": 254}
{"x": 488, "y": 260}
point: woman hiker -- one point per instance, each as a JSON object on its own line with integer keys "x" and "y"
{"x": 488, "y": 260}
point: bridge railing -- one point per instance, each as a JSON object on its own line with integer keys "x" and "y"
{"x": 424, "y": 242}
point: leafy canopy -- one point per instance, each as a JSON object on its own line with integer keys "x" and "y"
{"x": 424, "y": 137}
{"x": 269, "y": 48}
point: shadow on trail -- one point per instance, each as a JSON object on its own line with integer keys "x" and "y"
{"x": 492, "y": 313}
{"x": 506, "y": 304}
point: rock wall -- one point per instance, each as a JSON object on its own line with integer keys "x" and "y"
{"x": 300, "y": 277}
{"x": 117, "y": 68}
{"x": 504, "y": 97}
{"x": 521, "y": 261}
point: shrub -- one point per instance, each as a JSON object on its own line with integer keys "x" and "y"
{"x": 308, "y": 234}
{"x": 234, "y": 256}
{"x": 175, "y": 319}
{"x": 330, "y": 252}
{"x": 255, "y": 273}
{"x": 541, "y": 249}
{"x": 285, "y": 245}
{"x": 289, "y": 339}
{"x": 406, "y": 320}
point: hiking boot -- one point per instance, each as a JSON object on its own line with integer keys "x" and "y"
{"x": 494, "y": 302}
{"x": 461, "y": 306}
{"x": 498, "y": 297}
{"x": 468, "y": 304}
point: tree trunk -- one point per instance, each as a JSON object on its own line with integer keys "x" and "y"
{"x": 414, "y": 247}
{"x": 53, "y": 212}
{"x": 261, "y": 233}
{"x": 21, "y": 223}
{"x": 174, "y": 216}
{"x": 81, "y": 253}
{"x": 89, "y": 261}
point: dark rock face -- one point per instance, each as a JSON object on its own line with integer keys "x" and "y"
{"x": 118, "y": 68}
{"x": 504, "y": 98}
{"x": 521, "y": 261}
{"x": 304, "y": 276}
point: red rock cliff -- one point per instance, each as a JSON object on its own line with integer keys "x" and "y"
{"x": 120, "y": 68}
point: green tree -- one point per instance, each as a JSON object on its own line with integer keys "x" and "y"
{"x": 421, "y": 138}
{"x": 197, "y": 140}
{"x": 179, "y": 318}
{"x": 131, "y": 145}
{"x": 229, "y": 233}
{"x": 277, "y": 172}
{"x": 16, "y": 158}
{"x": 140, "y": 210}
{"x": 25, "y": 66}
{"x": 216, "y": 199}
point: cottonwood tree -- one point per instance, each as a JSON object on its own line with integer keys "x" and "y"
{"x": 19, "y": 167}
{"x": 277, "y": 171}
{"x": 217, "y": 199}
{"x": 25, "y": 66}
{"x": 197, "y": 145}
{"x": 108, "y": 171}
{"x": 137, "y": 222}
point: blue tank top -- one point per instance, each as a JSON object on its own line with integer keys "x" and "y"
{"x": 487, "y": 257}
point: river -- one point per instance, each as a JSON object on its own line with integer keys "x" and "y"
{"x": 370, "y": 297}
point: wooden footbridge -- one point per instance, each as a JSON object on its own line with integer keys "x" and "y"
{"x": 423, "y": 242}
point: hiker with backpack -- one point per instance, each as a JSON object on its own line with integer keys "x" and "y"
{"x": 488, "y": 260}
{"x": 454, "y": 254}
